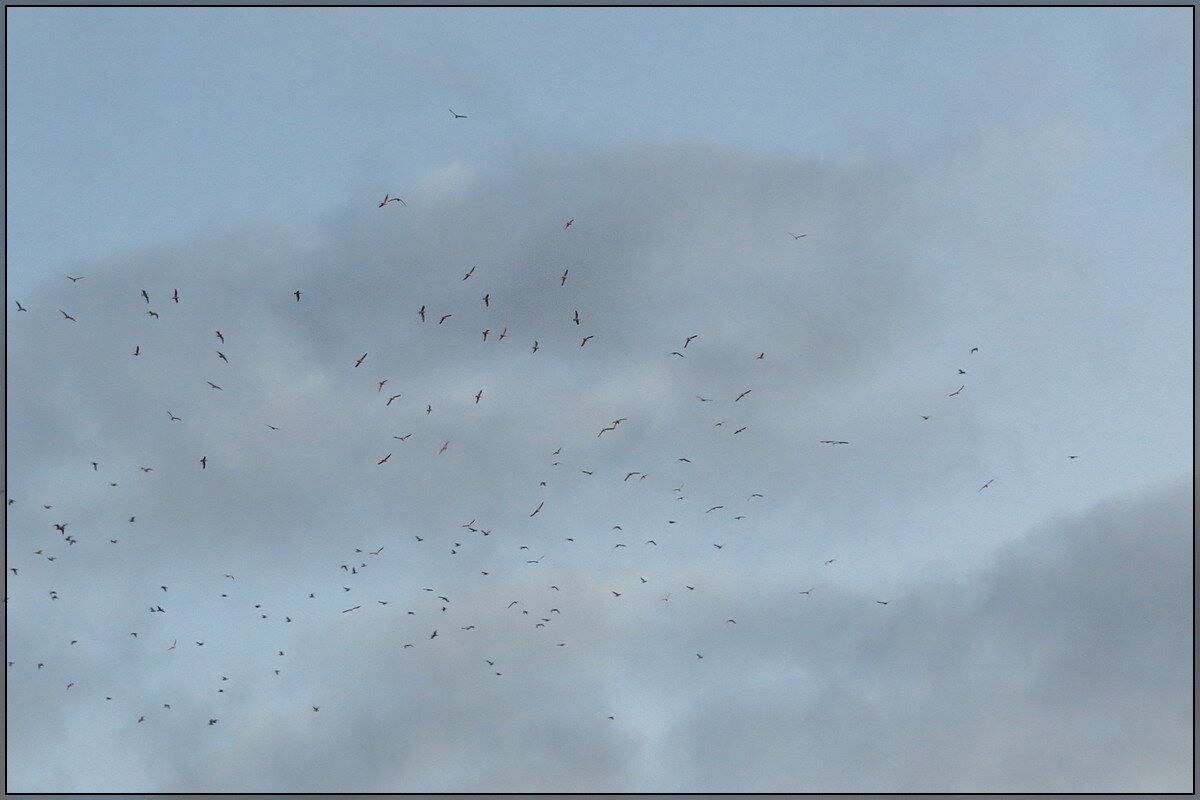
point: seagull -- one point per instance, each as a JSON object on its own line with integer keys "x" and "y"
{"x": 924, "y": 417}
{"x": 204, "y": 462}
{"x": 360, "y": 359}
{"x": 219, "y": 336}
{"x": 405, "y": 436}
{"x": 351, "y": 609}
{"x": 172, "y": 647}
{"x": 956, "y": 391}
{"x": 961, "y": 372}
{"x": 974, "y": 349}
{"x": 797, "y": 235}
{"x": 714, "y": 508}
{"x": 222, "y": 356}
{"x": 688, "y": 460}
{"x": 74, "y": 280}
{"x": 734, "y": 621}
{"x": 882, "y": 602}
{"x": 478, "y": 395}
{"x": 444, "y": 446}
{"x": 137, "y": 350}
{"x": 831, "y": 441}
{"x": 433, "y": 635}
{"x": 297, "y": 293}
{"x": 739, "y": 430}
{"x": 457, "y": 115}
{"x": 19, "y": 306}
{"x": 145, "y": 295}
{"x": 485, "y": 300}
{"x": 688, "y": 340}
{"x": 576, "y": 317}
{"x": 389, "y": 402}
{"x": 269, "y": 425}
{"x": 743, "y": 394}
{"x": 759, "y": 356}
{"x": 444, "y": 318}
{"x": 719, "y": 546}
{"x": 808, "y": 592}
{"x": 704, "y": 399}
{"x": 381, "y": 383}
{"x": 470, "y": 272}
{"x": 830, "y": 561}
{"x": 564, "y": 277}
{"x": 213, "y": 385}
{"x": 389, "y": 199}
{"x": 568, "y": 223}
{"x": 385, "y": 458}
{"x": 989, "y": 483}
{"x": 175, "y": 295}
{"x": 539, "y": 508}
{"x": 677, "y": 353}
{"x": 377, "y": 552}
{"x": 152, "y": 314}
{"x": 585, "y": 340}
{"x": 421, "y": 311}
{"x": 1072, "y": 456}
{"x": 68, "y": 316}
{"x": 535, "y": 345}
{"x": 699, "y": 656}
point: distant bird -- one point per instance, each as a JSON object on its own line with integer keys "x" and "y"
{"x": 535, "y": 345}
{"x": 714, "y": 508}
{"x": 585, "y": 340}
{"x": 478, "y": 395}
{"x": 734, "y": 621}
{"x": 699, "y": 656}
{"x": 422, "y": 313}
{"x": 68, "y": 316}
{"x": 539, "y": 508}
{"x": 575, "y": 318}
{"x": 405, "y": 436}
{"x": 204, "y": 462}
{"x": 360, "y": 359}
{"x": 960, "y": 372}
{"x": 1072, "y": 456}
{"x": 616, "y": 594}
{"x": 387, "y": 198}
{"x": 924, "y": 417}
{"x": 677, "y": 353}
{"x": 719, "y": 546}
{"x": 688, "y": 340}
{"x": 956, "y": 391}
{"x": 213, "y": 721}
{"x": 759, "y": 356}
{"x": 222, "y": 356}
{"x": 96, "y": 466}
{"x": 74, "y": 280}
{"x": 381, "y": 383}
{"x": 389, "y": 402}
{"x": 269, "y": 425}
{"x": 564, "y": 278}
{"x": 739, "y": 430}
{"x": 568, "y": 223}
{"x": 433, "y": 635}
{"x": 444, "y": 318}
{"x": 808, "y": 592}
{"x": 831, "y": 441}
{"x": 316, "y": 708}
{"x": 882, "y": 602}
{"x": 485, "y": 300}
{"x": 219, "y": 336}
{"x": 137, "y": 350}
{"x": 458, "y": 116}
{"x": 297, "y": 293}
{"x": 152, "y": 314}
{"x": 175, "y": 295}
{"x": 351, "y": 609}
{"x": 743, "y": 394}
{"x": 377, "y": 552}
{"x": 172, "y": 647}
{"x": 385, "y": 458}
{"x": 213, "y": 385}
{"x": 145, "y": 295}
{"x": 470, "y": 272}
{"x": 19, "y": 306}
{"x": 974, "y": 349}
{"x": 989, "y": 483}
{"x": 751, "y": 497}
{"x": 688, "y": 460}
{"x": 797, "y": 235}
{"x": 704, "y": 399}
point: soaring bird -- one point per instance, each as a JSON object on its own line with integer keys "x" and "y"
{"x": 797, "y": 235}
{"x": 389, "y": 199}
{"x": 688, "y": 340}
{"x": 389, "y": 402}
{"x": 152, "y": 314}
{"x": 807, "y": 592}
{"x": 269, "y": 425}
{"x": 714, "y": 508}
{"x": 213, "y": 385}
{"x": 989, "y": 483}
{"x": 297, "y": 293}
{"x": 956, "y": 391}
{"x": 704, "y": 399}
{"x": 19, "y": 306}
{"x": 74, "y": 280}
{"x": 219, "y": 336}
{"x": 535, "y": 345}
{"x": 137, "y": 350}
{"x": 831, "y": 441}
{"x": 405, "y": 436}
{"x": 564, "y": 278}
{"x": 172, "y": 647}
{"x": 470, "y": 272}
{"x": 175, "y": 295}
{"x": 830, "y": 561}
{"x": 204, "y": 462}
{"x": 222, "y": 356}
{"x": 385, "y": 458}
{"x": 421, "y": 311}
{"x": 346, "y": 611}
{"x": 444, "y": 318}
{"x": 145, "y": 295}
{"x": 974, "y": 349}
{"x": 360, "y": 359}
{"x": 882, "y": 602}
{"x": 568, "y": 223}
{"x": 478, "y": 395}
{"x": 485, "y": 300}
{"x": 433, "y": 635}
{"x": 743, "y": 394}
{"x": 739, "y": 430}
{"x": 381, "y": 383}
{"x": 962, "y": 372}
{"x": 576, "y": 317}
{"x": 539, "y": 508}
{"x": 585, "y": 340}
{"x": 444, "y": 446}
{"x": 68, "y": 316}
{"x": 457, "y": 115}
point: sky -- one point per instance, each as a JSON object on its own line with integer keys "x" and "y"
{"x": 955, "y": 242}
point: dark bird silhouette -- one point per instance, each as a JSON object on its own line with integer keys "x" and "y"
{"x": 759, "y": 356}
{"x": 882, "y": 602}
{"x": 989, "y": 483}
{"x": 387, "y": 198}
{"x": 421, "y": 311}
{"x": 458, "y": 116}
{"x": 204, "y": 462}
{"x": 961, "y": 372}
{"x": 568, "y": 223}
{"x": 719, "y": 546}
{"x": 351, "y": 609}
{"x": 739, "y": 430}
{"x": 175, "y": 295}
{"x": 381, "y": 383}
{"x": 68, "y": 316}
{"x": 924, "y": 417}
{"x": 563, "y": 280}
{"x": 297, "y": 293}
{"x": 974, "y": 349}
{"x": 388, "y": 403}
{"x": 797, "y": 235}
{"x": 444, "y": 446}
{"x": 360, "y": 359}
{"x": 152, "y": 314}
{"x": 478, "y": 395}
{"x": 173, "y": 417}
{"x": 219, "y": 336}
{"x": 74, "y": 280}
{"x": 137, "y": 350}
{"x": 575, "y": 318}
{"x": 714, "y": 508}
{"x": 405, "y": 436}
{"x": 433, "y": 635}
{"x": 956, "y": 391}
{"x": 585, "y": 340}
{"x": 145, "y": 295}
{"x": 743, "y": 394}
{"x": 699, "y": 656}
{"x": 831, "y": 441}
{"x": 677, "y": 353}
{"x": 830, "y": 561}
{"x": 470, "y": 272}
{"x": 444, "y": 318}
{"x": 535, "y": 345}
{"x": 272, "y": 427}
{"x": 807, "y": 592}
{"x": 19, "y": 306}
{"x": 688, "y": 340}
{"x": 485, "y": 300}
{"x": 704, "y": 399}
{"x": 213, "y": 385}
{"x": 385, "y": 458}
{"x": 222, "y": 356}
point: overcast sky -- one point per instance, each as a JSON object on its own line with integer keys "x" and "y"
{"x": 985, "y": 587}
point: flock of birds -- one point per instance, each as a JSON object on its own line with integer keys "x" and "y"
{"x": 429, "y": 603}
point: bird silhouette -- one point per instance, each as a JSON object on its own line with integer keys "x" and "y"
{"x": 68, "y": 316}
{"x": 458, "y": 116}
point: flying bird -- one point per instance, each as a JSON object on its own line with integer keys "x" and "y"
{"x": 385, "y": 458}
{"x": 470, "y": 272}
{"x": 219, "y": 336}
{"x": 381, "y": 383}
{"x": 444, "y": 446}
{"x": 297, "y": 293}
{"x": 564, "y": 277}
{"x": 539, "y": 508}
{"x": 797, "y": 235}
{"x": 422, "y": 313}
{"x": 457, "y": 115}
{"x": 478, "y": 395}
{"x": 808, "y": 592}
{"x": 389, "y": 402}
{"x": 175, "y": 295}
{"x": 74, "y": 280}
{"x": 222, "y": 356}
{"x": 204, "y": 462}
{"x": 68, "y": 316}
{"x": 360, "y": 359}
{"x": 444, "y": 318}
{"x": 974, "y": 349}
{"x": 688, "y": 340}
{"x": 213, "y": 385}
{"x": 269, "y": 425}
{"x": 19, "y": 306}
{"x": 568, "y": 223}
{"x": 405, "y": 436}
{"x": 831, "y": 441}
{"x": 172, "y": 647}
{"x": 351, "y": 609}
{"x": 576, "y": 317}
{"x": 989, "y": 483}
{"x": 961, "y": 372}
{"x": 137, "y": 350}
{"x": 739, "y": 430}
{"x": 882, "y": 602}
{"x": 145, "y": 295}
{"x": 535, "y": 345}
{"x": 485, "y": 300}
{"x": 585, "y": 340}
{"x": 387, "y": 198}
{"x": 714, "y": 508}
{"x": 152, "y": 314}
{"x": 743, "y": 394}
{"x": 956, "y": 391}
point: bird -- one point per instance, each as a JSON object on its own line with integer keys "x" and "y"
{"x": 539, "y": 508}
{"x": 831, "y": 441}
{"x": 433, "y": 635}
{"x": 297, "y": 293}
{"x": 137, "y": 350}
{"x": 751, "y": 497}
{"x": 486, "y": 304}
{"x": 213, "y": 385}
{"x": 360, "y": 359}
{"x": 704, "y": 399}
{"x": 68, "y": 316}
{"x": 316, "y": 708}
{"x": 351, "y": 609}
{"x": 989, "y": 483}
{"x": 204, "y": 462}
{"x": 457, "y": 115}
{"x": 219, "y": 336}
{"x": 677, "y": 353}
{"x": 444, "y": 446}
{"x": 743, "y": 394}
{"x": 387, "y": 198}
{"x": 175, "y": 295}
{"x": 830, "y": 561}
{"x": 388, "y": 403}
{"x": 759, "y": 356}
{"x": 585, "y": 340}
{"x": 172, "y": 647}
{"x": 74, "y": 280}
{"x": 405, "y": 436}
{"x": 807, "y": 592}
{"x": 714, "y": 508}
{"x": 688, "y": 460}
{"x": 381, "y": 383}
{"x": 564, "y": 278}
{"x": 924, "y": 417}
{"x": 145, "y": 295}
{"x": 213, "y": 721}
{"x": 421, "y": 311}
{"x": 961, "y": 372}
{"x": 152, "y": 314}
{"x": 688, "y": 340}
{"x": 974, "y": 349}
{"x": 444, "y": 318}
{"x": 269, "y": 425}
{"x": 1072, "y": 456}
{"x": 882, "y": 602}
{"x": 797, "y": 235}
{"x": 734, "y": 621}
{"x": 575, "y": 318}
{"x": 616, "y": 594}
{"x": 699, "y": 656}
{"x": 478, "y": 395}
{"x": 19, "y": 306}
{"x": 739, "y": 430}
{"x": 719, "y": 546}
{"x": 568, "y": 223}
{"x": 535, "y": 345}
{"x": 385, "y": 458}
{"x": 222, "y": 356}
{"x": 956, "y": 391}
{"x": 470, "y": 272}
{"x": 377, "y": 552}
